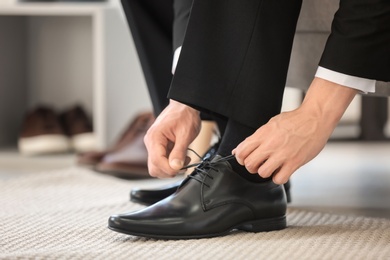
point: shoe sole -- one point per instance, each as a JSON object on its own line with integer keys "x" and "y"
{"x": 135, "y": 173}
{"x": 262, "y": 225}
{"x": 288, "y": 196}
{"x": 44, "y": 144}
{"x": 84, "y": 142}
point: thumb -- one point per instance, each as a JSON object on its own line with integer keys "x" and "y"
{"x": 178, "y": 155}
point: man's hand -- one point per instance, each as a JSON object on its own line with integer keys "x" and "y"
{"x": 291, "y": 139}
{"x": 168, "y": 138}
{"x": 281, "y": 146}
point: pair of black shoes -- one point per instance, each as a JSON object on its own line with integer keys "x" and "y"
{"x": 212, "y": 201}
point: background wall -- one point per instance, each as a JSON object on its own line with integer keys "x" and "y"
{"x": 13, "y": 81}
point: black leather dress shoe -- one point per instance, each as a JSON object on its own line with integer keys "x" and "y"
{"x": 149, "y": 197}
{"x": 212, "y": 201}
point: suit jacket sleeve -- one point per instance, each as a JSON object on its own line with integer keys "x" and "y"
{"x": 359, "y": 43}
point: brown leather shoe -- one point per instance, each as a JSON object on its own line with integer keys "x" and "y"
{"x": 135, "y": 129}
{"x": 90, "y": 159}
{"x": 129, "y": 160}
{"x": 42, "y": 133}
{"x": 78, "y": 126}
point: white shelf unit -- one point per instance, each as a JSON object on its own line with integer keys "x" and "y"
{"x": 65, "y": 53}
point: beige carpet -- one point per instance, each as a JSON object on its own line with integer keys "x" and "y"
{"x": 63, "y": 215}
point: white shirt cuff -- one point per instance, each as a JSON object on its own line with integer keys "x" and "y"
{"x": 362, "y": 84}
{"x": 176, "y": 56}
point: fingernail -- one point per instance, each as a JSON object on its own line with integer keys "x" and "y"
{"x": 176, "y": 164}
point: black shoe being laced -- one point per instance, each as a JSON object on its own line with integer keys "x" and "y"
{"x": 213, "y": 201}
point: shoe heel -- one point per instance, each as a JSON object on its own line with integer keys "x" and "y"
{"x": 287, "y": 187}
{"x": 288, "y": 196}
{"x": 264, "y": 225}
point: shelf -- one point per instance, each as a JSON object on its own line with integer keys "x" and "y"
{"x": 68, "y": 9}
{"x": 58, "y": 53}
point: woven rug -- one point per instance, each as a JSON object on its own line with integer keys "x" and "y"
{"x": 63, "y": 215}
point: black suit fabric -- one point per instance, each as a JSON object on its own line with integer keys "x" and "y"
{"x": 158, "y": 28}
{"x": 359, "y": 43}
{"x": 182, "y": 10}
{"x": 150, "y": 22}
{"x": 235, "y": 57}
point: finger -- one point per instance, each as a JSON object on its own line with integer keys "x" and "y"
{"x": 187, "y": 160}
{"x": 283, "y": 174}
{"x": 157, "y": 173}
{"x": 185, "y": 170}
{"x": 158, "y": 164}
{"x": 270, "y": 167}
{"x": 254, "y": 160}
{"x": 159, "y": 167}
{"x": 244, "y": 149}
{"x": 178, "y": 155}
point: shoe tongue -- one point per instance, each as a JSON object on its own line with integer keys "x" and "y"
{"x": 216, "y": 157}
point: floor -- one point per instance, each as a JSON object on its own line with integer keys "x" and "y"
{"x": 347, "y": 177}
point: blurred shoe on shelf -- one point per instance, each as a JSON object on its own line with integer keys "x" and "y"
{"x": 129, "y": 162}
{"x": 94, "y": 157}
{"x": 90, "y": 159}
{"x": 42, "y": 133}
{"x": 127, "y": 158}
{"x": 78, "y": 127}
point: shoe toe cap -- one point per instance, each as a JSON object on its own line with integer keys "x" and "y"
{"x": 115, "y": 221}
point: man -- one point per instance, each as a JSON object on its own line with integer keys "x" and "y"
{"x": 233, "y": 65}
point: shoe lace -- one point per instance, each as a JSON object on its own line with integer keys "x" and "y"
{"x": 202, "y": 168}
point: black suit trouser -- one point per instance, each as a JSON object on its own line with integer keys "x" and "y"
{"x": 235, "y": 58}
{"x": 157, "y": 28}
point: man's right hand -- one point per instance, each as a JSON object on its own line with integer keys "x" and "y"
{"x": 168, "y": 138}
